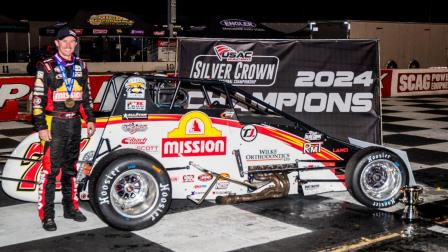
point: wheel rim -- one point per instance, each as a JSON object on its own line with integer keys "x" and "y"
{"x": 381, "y": 180}
{"x": 134, "y": 193}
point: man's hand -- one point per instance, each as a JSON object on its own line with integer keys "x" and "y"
{"x": 45, "y": 135}
{"x": 90, "y": 129}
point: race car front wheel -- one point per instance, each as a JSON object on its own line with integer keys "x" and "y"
{"x": 132, "y": 193}
{"x": 375, "y": 177}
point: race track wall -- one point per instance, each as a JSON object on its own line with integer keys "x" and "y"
{"x": 15, "y": 94}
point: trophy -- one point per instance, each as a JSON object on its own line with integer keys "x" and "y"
{"x": 411, "y": 198}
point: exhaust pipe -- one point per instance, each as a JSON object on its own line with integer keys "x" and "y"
{"x": 280, "y": 189}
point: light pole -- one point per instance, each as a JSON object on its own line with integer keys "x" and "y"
{"x": 171, "y": 16}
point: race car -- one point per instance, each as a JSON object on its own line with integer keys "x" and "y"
{"x": 177, "y": 138}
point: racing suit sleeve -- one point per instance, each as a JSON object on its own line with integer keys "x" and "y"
{"x": 40, "y": 98}
{"x": 86, "y": 107}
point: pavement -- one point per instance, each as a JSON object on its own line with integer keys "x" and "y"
{"x": 326, "y": 222}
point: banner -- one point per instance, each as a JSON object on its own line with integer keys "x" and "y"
{"x": 412, "y": 82}
{"x": 332, "y": 85}
{"x": 386, "y": 80}
{"x": 15, "y": 90}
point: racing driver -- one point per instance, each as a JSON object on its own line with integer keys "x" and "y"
{"x": 61, "y": 98}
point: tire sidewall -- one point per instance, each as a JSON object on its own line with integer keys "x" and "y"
{"x": 103, "y": 187}
{"x": 357, "y": 167}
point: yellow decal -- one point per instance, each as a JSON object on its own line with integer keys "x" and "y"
{"x": 195, "y": 124}
{"x": 194, "y": 136}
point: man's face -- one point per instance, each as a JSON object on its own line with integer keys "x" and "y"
{"x": 66, "y": 46}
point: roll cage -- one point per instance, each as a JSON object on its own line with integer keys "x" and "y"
{"x": 176, "y": 93}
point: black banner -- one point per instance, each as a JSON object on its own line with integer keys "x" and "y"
{"x": 330, "y": 84}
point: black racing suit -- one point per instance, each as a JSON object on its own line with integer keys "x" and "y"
{"x": 64, "y": 124}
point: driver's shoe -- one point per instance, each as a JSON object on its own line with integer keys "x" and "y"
{"x": 76, "y": 215}
{"x": 49, "y": 224}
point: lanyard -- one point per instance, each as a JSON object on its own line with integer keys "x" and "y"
{"x": 68, "y": 85}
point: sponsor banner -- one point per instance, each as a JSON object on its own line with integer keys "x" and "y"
{"x": 188, "y": 178}
{"x": 135, "y": 116}
{"x": 411, "y": 82}
{"x": 137, "y": 32}
{"x": 132, "y": 128}
{"x": 194, "y": 136}
{"x": 313, "y": 136}
{"x": 239, "y": 25}
{"x": 109, "y": 20}
{"x": 207, "y": 146}
{"x": 135, "y": 87}
{"x": 141, "y": 143}
{"x": 241, "y": 68}
{"x": 268, "y": 155}
{"x": 148, "y": 148}
{"x": 166, "y": 50}
{"x": 134, "y": 140}
{"x": 63, "y": 95}
{"x": 12, "y": 91}
{"x": 135, "y": 105}
{"x": 205, "y": 177}
{"x": 222, "y": 185}
{"x": 340, "y": 150}
{"x": 99, "y": 31}
{"x": 331, "y": 85}
{"x": 17, "y": 89}
{"x": 78, "y": 32}
{"x": 158, "y": 33}
{"x": 249, "y": 133}
{"x": 386, "y": 80}
{"x": 166, "y": 43}
{"x": 312, "y": 148}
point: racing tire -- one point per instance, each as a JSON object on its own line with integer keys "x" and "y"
{"x": 375, "y": 176}
{"x": 132, "y": 193}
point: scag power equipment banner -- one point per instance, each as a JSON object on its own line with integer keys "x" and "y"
{"x": 412, "y": 82}
{"x": 332, "y": 85}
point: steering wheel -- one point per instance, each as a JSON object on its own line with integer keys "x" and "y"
{"x": 215, "y": 104}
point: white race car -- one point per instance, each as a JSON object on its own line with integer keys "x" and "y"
{"x": 174, "y": 138}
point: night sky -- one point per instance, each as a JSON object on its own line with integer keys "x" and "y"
{"x": 199, "y": 11}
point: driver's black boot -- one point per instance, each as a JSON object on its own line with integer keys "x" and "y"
{"x": 49, "y": 224}
{"x": 76, "y": 215}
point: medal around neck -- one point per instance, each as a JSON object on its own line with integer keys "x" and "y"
{"x": 69, "y": 103}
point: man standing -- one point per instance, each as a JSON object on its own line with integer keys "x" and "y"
{"x": 61, "y": 97}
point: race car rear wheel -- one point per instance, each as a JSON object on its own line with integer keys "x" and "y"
{"x": 375, "y": 177}
{"x": 132, "y": 193}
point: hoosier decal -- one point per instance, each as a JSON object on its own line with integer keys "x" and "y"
{"x": 194, "y": 136}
